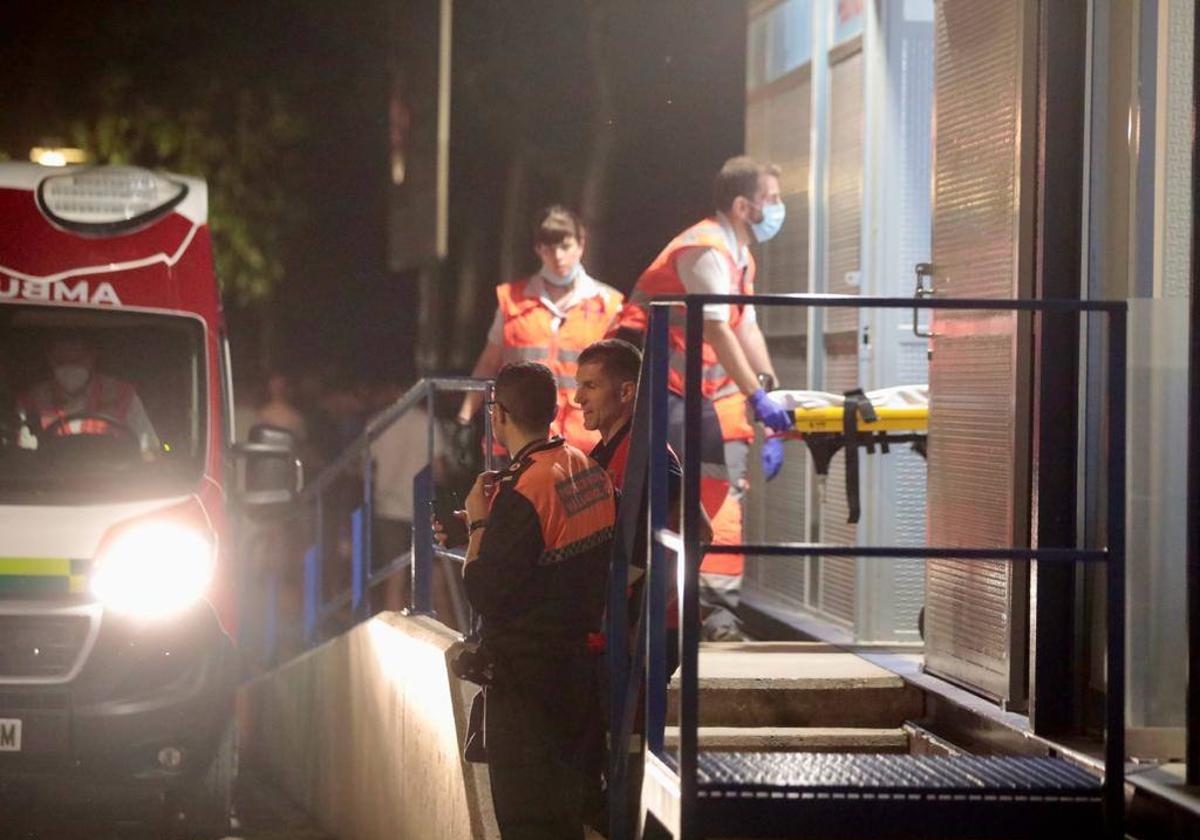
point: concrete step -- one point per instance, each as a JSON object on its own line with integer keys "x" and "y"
{"x": 796, "y": 739}
{"x": 797, "y": 684}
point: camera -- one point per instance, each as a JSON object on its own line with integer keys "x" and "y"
{"x": 474, "y": 663}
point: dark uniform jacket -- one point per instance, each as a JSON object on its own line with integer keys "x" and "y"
{"x": 539, "y": 582}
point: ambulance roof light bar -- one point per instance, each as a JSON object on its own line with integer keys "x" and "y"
{"x": 57, "y": 155}
{"x": 108, "y": 199}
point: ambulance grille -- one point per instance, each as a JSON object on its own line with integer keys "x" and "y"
{"x": 40, "y": 646}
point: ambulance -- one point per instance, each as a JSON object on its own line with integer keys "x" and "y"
{"x": 118, "y": 667}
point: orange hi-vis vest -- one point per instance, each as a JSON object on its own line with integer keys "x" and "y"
{"x": 45, "y": 404}
{"x": 662, "y": 278}
{"x": 544, "y": 591}
{"x": 727, "y": 521}
{"x": 533, "y": 333}
{"x": 573, "y": 496}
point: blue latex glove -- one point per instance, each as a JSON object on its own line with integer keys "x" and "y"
{"x": 772, "y": 457}
{"x": 770, "y": 413}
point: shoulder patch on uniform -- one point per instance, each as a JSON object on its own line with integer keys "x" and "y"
{"x": 582, "y": 491}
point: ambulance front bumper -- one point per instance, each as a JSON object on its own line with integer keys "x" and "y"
{"x": 104, "y": 703}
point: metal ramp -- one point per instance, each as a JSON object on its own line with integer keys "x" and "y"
{"x": 692, "y": 794}
{"x": 829, "y": 795}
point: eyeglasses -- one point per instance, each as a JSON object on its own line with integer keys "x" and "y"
{"x": 491, "y": 405}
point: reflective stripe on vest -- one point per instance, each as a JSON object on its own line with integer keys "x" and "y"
{"x": 105, "y": 395}
{"x": 662, "y": 278}
{"x": 523, "y": 354}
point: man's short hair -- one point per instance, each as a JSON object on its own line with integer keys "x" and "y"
{"x": 529, "y": 393}
{"x": 618, "y": 359}
{"x": 553, "y": 224}
{"x": 739, "y": 177}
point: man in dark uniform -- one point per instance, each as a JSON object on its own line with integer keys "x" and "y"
{"x": 606, "y": 388}
{"x": 536, "y": 573}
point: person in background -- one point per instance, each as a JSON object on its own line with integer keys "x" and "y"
{"x": 549, "y": 317}
{"x": 247, "y": 397}
{"x": 400, "y": 453}
{"x": 279, "y": 411}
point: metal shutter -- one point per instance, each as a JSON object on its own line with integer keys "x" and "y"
{"x": 838, "y": 581}
{"x": 777, "y": 130}
{"x": 976, "y": 625}
{"x": 894, "y": 486}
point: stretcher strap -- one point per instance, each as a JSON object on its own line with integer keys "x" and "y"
{"x": 856, "y": 401}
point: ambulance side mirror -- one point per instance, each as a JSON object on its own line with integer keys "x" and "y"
{"x": 268, "y": 471}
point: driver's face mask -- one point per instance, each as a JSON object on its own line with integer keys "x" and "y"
{"x": 72, "y": 378}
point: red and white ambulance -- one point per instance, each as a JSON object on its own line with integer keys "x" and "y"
{"x": 117, "y": 665}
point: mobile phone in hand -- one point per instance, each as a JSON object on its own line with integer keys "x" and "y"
{"x": 444, "y": 507}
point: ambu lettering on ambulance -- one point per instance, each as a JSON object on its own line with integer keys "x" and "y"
{"x": 58, "y": 291}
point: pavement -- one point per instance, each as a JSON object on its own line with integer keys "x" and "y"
{"x": 265, "y": 813}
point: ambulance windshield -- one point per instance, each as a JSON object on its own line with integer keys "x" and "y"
{"x": 98, "y": 404}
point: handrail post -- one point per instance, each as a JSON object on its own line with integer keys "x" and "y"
{"x": 1114, "y": 745}
{"x": 625, "y": 673}
{"x": 421, "y": 598}
{"x": 689, "y": 598}
{"x": 359, "y": 563}
{"x": 271, "y": 629}
{"x": 656, "y": 581}
{"x": 488, "y": 439}
{"x": 313, "y": 560}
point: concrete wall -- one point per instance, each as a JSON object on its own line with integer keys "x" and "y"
{"x": 365, "y": 734}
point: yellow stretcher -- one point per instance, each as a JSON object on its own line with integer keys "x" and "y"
{"x": 829, "y": 422}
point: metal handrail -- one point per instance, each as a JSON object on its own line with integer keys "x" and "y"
{"x": 424, "y": 389}
{"x": 691, "y": 546}
{"x": 312, "y": 501}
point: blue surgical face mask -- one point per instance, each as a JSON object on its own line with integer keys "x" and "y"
{"x": 556, "y": 280}
{"x": 770, "y": 223}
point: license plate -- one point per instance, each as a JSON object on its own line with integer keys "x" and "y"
{"x": 10, "y": 735}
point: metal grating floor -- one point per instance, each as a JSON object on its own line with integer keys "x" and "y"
{"x": 831, "y": 775}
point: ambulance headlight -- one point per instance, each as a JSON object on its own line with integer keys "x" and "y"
{"x": 154, "y": 569}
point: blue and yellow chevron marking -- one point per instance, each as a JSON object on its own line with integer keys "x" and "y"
{"x": 42, "y": 576}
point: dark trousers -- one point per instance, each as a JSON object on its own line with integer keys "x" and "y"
{"x": 544, "y": 730}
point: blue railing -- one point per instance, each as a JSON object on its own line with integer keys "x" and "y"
{"x": 338, "y": 503}
{"x": 651, "y": 441}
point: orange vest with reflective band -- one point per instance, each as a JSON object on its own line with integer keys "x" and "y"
{"x": 662, "y": 278}
{"x": 533, "y": 333}
{"x": 573, "y": 496}
{"x": 734, "y": 417}
{"x": 727, "y": 521}
{"x": 46, "y": 402}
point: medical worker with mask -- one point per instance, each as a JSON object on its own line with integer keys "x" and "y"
{"x": 713, "y": 257}
{"x": 549, "y": 317}
{"x": 80, "y": 400}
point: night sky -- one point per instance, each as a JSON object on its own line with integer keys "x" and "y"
{"x": 677, "y": 73}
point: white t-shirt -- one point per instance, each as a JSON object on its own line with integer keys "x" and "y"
{"x": 400, "y": 453}
{"x": 705, "y": 271}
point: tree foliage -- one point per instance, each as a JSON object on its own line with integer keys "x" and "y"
{"x": 241, "y": 138}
